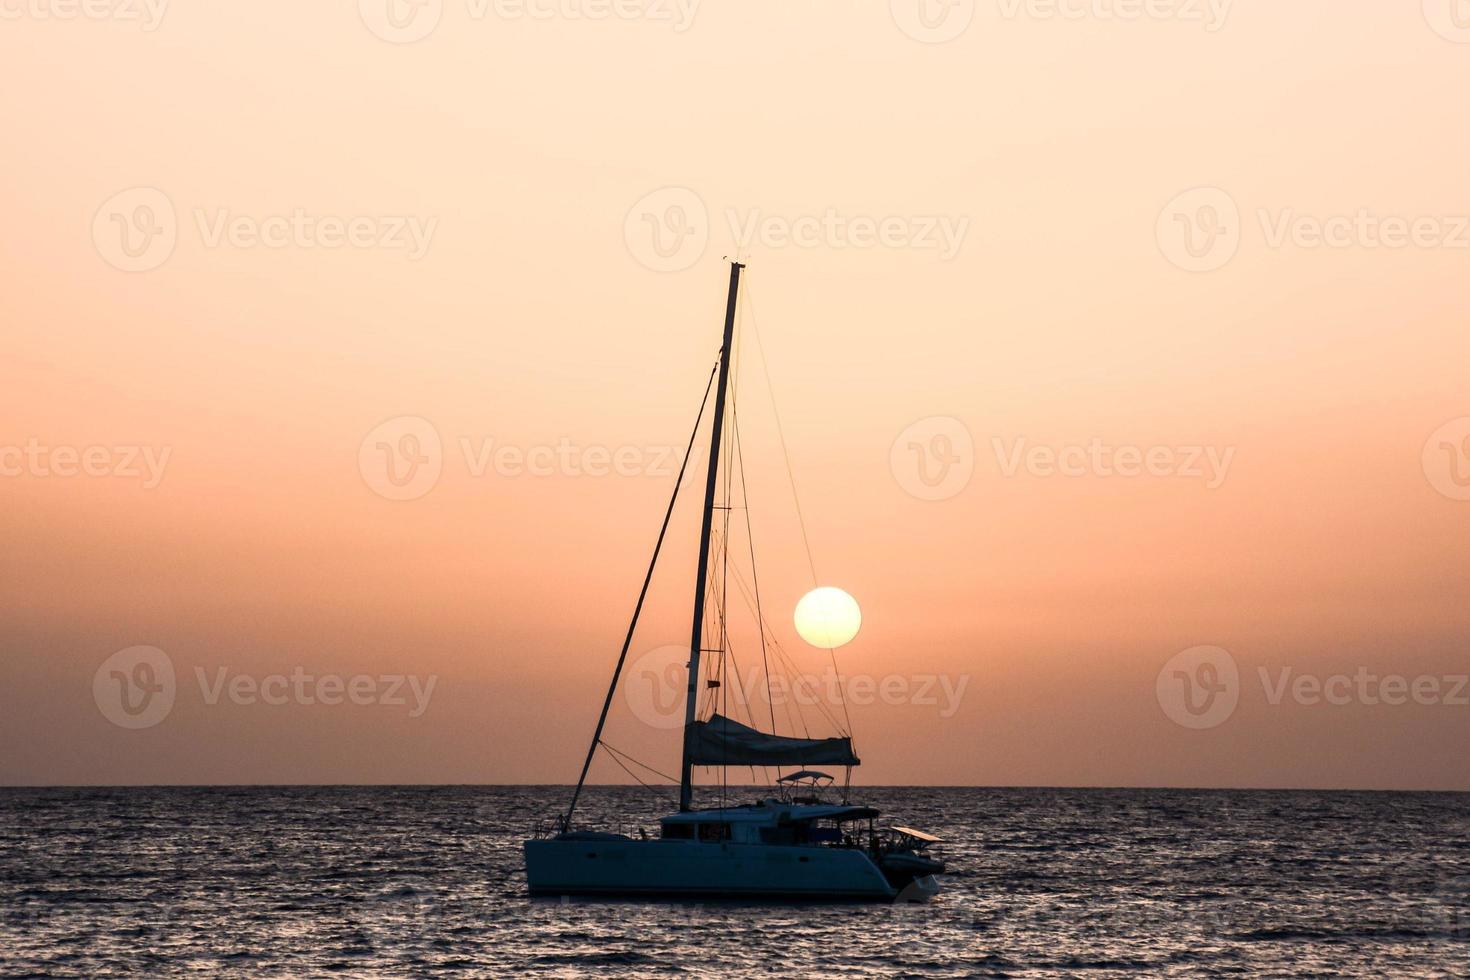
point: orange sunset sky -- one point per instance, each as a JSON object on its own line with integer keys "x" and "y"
{"x": 998, "y": 250}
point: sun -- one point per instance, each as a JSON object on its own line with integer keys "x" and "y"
{"x": 828, "y": 618}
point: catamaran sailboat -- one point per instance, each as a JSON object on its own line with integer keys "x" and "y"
{"x": 802, "y": 841}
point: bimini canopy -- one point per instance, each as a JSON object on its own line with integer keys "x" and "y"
{"x": 722, "y": 742}
{"x": 797, "y": 777}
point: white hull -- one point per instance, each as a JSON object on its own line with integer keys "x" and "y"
{"x": 690, "y": 869}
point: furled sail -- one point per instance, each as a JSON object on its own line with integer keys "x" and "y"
{"x": 722, "y": 742}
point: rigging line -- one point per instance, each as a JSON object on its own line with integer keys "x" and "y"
{"x": 795, "y": 721}
{"x": 644, "y": 765}
{"x": 730, "y": 673}
{"x": 711, "y": 603}
{"x": 652, "y": 789}
{"x": 799, "y": 721}
{"x": 735, "y": 670}
{"x": 742, "y": 698}
{"x": 817, "y": 701}
{"x": 791, "y": 476}
{"x": 841, "y": 695}
{"x": 716, "y": 697}
{"x": 637, "y": 609}
{"x": 781, "y": 436}
{"x": 740, "y": 689}
{"x": 760, "y": 619}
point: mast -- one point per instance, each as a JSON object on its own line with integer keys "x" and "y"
{"x": 701, "y": 577}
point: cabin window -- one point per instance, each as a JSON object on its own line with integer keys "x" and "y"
{"x": 678, "y": 831}
{"x": 778, "y": 835}
{"x": 713, "y": 833}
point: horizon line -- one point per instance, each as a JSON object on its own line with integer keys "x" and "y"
{"x": 738, "y": 786}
